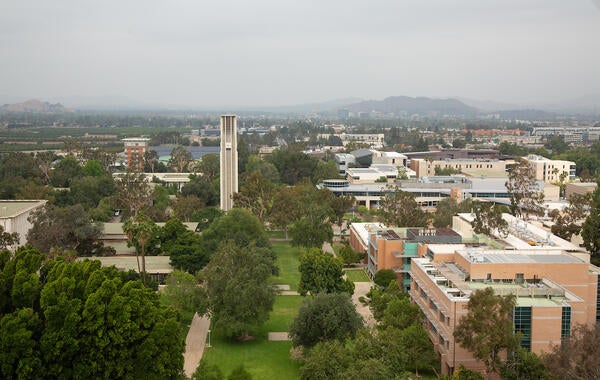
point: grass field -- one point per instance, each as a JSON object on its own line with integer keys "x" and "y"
{"x": 262, "y": 358}
{"x": 357, "y": 275}
{"x": 287, "y": 261}
{"x": 276, "y": 234}
{"x": 284, "y": 311}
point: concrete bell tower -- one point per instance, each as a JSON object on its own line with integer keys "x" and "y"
{"x": 229, "y": 161}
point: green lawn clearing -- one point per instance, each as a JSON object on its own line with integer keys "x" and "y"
{"x": 284, "y": 311}
{"x": 357, "y": 275}
{"x": 263, "y": 359}
{"x": 276, "y": 234}
{"x": 287, "y": 261}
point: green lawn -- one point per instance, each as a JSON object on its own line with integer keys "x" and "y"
{"x": 276, "y": 234}
{"x": 284, "y": 311}
{"x": 357, "y": 275}
{"x": 287, "y": 261}
{"x": 263, "y": 359}
{"x": 336, "y": 248}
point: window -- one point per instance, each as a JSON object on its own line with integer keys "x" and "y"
{"x": 565, "y": 326}
{"x": 519, "y": 278}
{"x": 522, "y": 324}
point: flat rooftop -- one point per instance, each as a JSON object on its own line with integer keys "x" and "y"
{"x": 445, "y": 248}
{"x": 439, "y": 231}
{"x": 117, "y": 228}
{"x": 451, "y": 281}
{"x": 10, "y": 208}
{"x": 506, "y": 257}
{"x": 363, "y": 230}
{"x": 154, "y": 264}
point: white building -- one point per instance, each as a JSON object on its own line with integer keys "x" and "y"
{"x": 548, "y": 170}
{"x": 14, "y": 216}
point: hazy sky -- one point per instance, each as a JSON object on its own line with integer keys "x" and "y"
{"x": 280, "y": 52}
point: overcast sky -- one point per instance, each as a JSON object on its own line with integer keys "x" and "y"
{"x": 280, "y": 52}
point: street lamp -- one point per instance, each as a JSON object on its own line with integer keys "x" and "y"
{"x": 208, "y": 345}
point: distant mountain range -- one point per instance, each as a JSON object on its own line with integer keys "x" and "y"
{"x": 402, "y": 105}
{"x": 35, "y": 106}
{"x": 586, "y": 106}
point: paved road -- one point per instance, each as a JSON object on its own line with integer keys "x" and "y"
{"x": 195, "y": 343}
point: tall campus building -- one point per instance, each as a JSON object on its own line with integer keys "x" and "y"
{"x": 229, "y": 161}
{"x": 135, "y": 148}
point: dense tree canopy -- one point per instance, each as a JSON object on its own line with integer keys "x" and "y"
{"x": 202, "y": 187}
{"x": 487, "y": 329}
{"x": 293, "y": 166}
{"x": 240, "y": 295}
{"x": 399, "y": 348}
{"x": 576, "y": 357}
{"x": 184, "y": 247}
{"x": 183, "y": 293}
{"x": 591, "y": 228}
{"x": 325, "y": 317}
{"x": 78, "y": 320}
{"x": 399, "y": 208}
{"x": 68, "y": 228}
{"x": 239, "y": 225}
{"x": 322, "y": 273}
{"x": 383, "y": 277}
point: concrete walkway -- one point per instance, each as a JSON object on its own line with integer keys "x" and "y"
{"x": 289, "y": 293}
{"x": 195, "y": 343}
{"x": 278, "y": 336}
{"x": 327, "y": 248}
{"x": 361, "y": 289}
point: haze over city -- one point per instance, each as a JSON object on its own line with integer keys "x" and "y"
{"x": 274, "y": 53}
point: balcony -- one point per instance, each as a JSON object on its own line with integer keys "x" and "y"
{"x": 402, "y": 255}
{"x": 403, "y": 269}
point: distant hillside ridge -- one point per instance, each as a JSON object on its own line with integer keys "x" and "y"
{"x": 407, "y": 105}
{"x": 35, "y": 106}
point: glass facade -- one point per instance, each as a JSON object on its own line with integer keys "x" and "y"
{"x": 522, "y": 323}
{"x": 565, "y": 326}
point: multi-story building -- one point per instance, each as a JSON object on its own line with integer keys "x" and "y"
{"x": 548, "y": 170}
{"x": 475, "y": 167}
{"x": 454, "y": 154}
{"x": 428, "y": 191}
{"x": 375, "y": 140}
{"x": 569, "y": 133}
{"x": 365, "y": 158}
{"x": 135, "y": 147}
{"x": 395, "y": 248}
{"x": 377, "y": 173}
{"x": 554, "y": 285}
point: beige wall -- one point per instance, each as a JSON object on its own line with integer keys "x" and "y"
{"x": 578, "y": 188}
{"x": 545, "y": 322}
{"x": 544, "y": 170}
{"x": 425, "y": 168}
